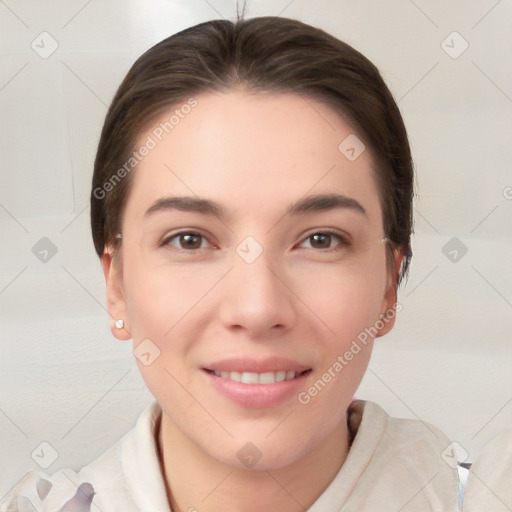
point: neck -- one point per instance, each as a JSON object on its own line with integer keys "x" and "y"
{"x": 197, "y": 482}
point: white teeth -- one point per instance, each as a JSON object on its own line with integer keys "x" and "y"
{"x": 267, "y": 378}
{"x": 280, "y": 376}
{"x": 236, "y": 376}
{"x": 258, "y": 378}
{"x": 250, "y": 378}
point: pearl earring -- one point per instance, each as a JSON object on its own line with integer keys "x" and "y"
{"x": 119, "y": 324}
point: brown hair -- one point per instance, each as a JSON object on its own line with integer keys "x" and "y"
{"x": 259, "y": 54}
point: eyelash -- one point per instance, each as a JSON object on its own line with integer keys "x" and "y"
{"x": 344, "y": 241}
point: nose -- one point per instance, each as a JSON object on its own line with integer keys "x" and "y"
{"x": 258, "y": 299}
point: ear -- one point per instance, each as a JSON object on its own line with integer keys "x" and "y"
{"x": 389, "y": 302}
{"x": 115, "y": 296}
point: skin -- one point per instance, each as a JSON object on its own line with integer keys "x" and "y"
{"x": 300, "y": 299}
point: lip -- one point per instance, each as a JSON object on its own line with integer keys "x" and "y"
{"x": 256, "y": 396}
{"x": 273, "y": 364}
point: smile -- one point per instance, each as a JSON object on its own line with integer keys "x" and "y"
{"x": 257, "y": 385}
{"x": 259, "y": 378}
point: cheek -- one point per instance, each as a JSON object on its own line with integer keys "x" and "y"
{"x": 345, "y": 300}
{"x": 160, "y": 303}
{"x": 160, "y": 298}
{"x": 349, "y": 307}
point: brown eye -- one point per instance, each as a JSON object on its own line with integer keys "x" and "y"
{"x": 187, "y": 241}
{"x": 325, "y": 240}
{"x": 320, "y": 241}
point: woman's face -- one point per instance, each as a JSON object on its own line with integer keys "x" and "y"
{"x": 250, "y": 278}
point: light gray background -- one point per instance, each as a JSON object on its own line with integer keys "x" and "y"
{"x": 64, "y": 378}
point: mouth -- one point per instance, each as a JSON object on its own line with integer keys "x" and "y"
{"x": 256, "y": 383}
{"x": 270, "y": 377}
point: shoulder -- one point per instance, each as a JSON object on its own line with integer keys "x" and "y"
{"x": 66, "y": 489}
{"x": 39, "y": 491}
{"x": 407, "y": 435}
{"x": 107, "y": 483}
{"x": 488, "y": 484}
{"x": 405, "y": 459}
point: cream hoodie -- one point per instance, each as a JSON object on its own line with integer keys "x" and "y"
{"x": 489, "y": 486}
{"x": 394, "y": 465}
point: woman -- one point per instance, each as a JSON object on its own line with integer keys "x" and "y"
{"x": 252, "y": 208}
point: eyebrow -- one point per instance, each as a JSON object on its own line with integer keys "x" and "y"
{"x": 309, "y": 204}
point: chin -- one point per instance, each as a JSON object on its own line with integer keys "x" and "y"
{"x": 261, "y": 453}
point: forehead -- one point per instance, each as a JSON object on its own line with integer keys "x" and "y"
{"x": 251, "y": 149}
